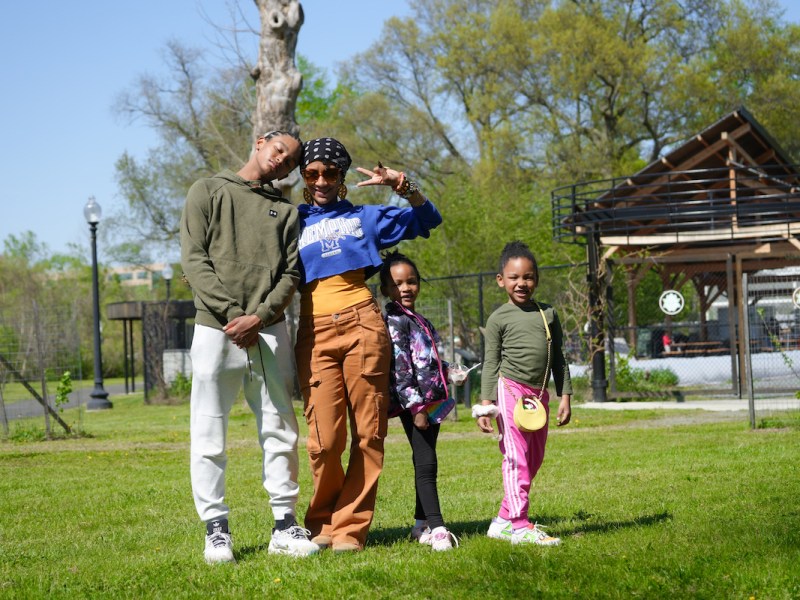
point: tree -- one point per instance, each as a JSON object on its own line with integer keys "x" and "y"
{"x": 489, "y": 112}
{"x": 276, "y": 77}
{"x": 753, "y": 60}
{"x": 207, "y": 116}
{"x": 202, "y": 116}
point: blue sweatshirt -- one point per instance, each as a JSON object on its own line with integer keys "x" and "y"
{"x": 341, "y": 237}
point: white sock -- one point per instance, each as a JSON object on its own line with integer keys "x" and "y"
{"x": 421, "y": 523}
{"x": 501, "y": 520}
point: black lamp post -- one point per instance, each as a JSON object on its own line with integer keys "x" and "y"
{"x": 99, "y": 396}
{"x": 167, "y": 273}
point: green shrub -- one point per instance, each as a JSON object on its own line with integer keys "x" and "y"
{"x": 632, "y": 379}
{"x": 181, "y": 386}
{"x": 64, "y": 389}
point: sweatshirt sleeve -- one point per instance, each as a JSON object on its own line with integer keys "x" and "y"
{"x": 560, "y": 368}
{"x": 491, "y": 360}
{"x": 396, "y": 224}
{"x": 195, "y": 261}
{"x": 280, "y": 297}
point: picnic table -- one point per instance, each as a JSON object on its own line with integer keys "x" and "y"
{"x": 696, "y": 348}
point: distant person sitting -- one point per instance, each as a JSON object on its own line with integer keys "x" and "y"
{"x": 666, "y": 341}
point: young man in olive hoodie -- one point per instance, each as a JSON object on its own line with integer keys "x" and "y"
{"x": 239, "y": 254}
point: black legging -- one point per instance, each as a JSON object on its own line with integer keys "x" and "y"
{"x": 423, "y": 453}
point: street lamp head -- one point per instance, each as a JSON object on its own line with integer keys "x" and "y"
{"x": 92, "y": 211}
{"x": 167, "y": 272}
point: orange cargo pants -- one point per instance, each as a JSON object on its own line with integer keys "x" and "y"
{"x": 343, "y": 365}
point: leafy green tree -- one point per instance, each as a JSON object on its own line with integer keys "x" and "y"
{"x": 202, "y": 116}
{"x": 752, "y": 60}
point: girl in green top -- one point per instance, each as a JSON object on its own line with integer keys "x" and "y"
{"x": 523, "y": 347}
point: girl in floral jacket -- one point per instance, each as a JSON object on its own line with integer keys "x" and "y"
{"x": 419, "y": 394}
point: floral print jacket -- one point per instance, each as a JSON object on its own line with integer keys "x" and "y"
{"x": 418, "y": 377}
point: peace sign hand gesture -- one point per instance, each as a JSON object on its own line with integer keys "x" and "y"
{"x": 380, "y": 175}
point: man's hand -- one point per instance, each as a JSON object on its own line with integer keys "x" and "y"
{"x": 243, "y": 330}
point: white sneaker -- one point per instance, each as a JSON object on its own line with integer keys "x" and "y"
{"x": 219, "y": 548}
{"x": 442, "y": 539}
{"x": 421, "y": 533}
{"x": 500, "y": 530}
{"x": 293, "y": 541}
{"x": 533, "y": 534}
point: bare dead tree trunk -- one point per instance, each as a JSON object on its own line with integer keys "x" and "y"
{"x": 278, "y": 81}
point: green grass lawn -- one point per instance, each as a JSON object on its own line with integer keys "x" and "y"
{"x": 646, "y": 506}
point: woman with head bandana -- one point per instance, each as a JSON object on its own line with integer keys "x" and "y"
{"x": 343, "y": 351}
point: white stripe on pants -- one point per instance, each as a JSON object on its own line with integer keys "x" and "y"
{"x": 266, "y": 372}
{"x": 523, "y": 452}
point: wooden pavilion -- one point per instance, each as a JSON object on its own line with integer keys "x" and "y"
{"x": 723, "y": 203}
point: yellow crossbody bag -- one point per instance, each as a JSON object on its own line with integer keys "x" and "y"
{"x": 529, "y": 413}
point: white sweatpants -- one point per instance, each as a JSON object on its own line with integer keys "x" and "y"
{"x": 266, "y": 372}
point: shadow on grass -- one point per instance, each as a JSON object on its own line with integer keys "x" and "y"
{"x": 247, "y": 551}
{"x": 590, "y": 523}
{"x": 578, "y": 524}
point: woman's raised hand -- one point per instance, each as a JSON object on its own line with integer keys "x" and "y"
{"x": 380, "y": 175}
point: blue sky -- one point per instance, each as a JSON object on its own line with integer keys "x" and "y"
{"x": 63, "y": 65}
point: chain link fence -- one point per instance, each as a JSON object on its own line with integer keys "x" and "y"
{"x": 772, "y": 341}
{"x": 40, "y": 357}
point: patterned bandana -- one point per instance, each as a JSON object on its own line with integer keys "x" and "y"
{"x": 326, "y": 150}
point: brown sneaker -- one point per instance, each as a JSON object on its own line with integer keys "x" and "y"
{"x": 322, "y": 540}
{"x": 342, "y": 547}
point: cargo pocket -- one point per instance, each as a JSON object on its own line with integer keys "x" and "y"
{"x": 381, "y": 419}
{"x": 314, "y": 441}
{"x": 375, "y": 344}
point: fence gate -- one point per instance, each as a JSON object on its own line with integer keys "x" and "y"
{"x": 772, "y": 340}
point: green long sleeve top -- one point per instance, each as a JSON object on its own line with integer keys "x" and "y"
{"x": 239, "y": 249}
{"x": 516, "y": 346}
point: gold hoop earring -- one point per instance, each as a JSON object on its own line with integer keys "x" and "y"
{"x": 342, "y": 191}
{"x": 307, "y": 196}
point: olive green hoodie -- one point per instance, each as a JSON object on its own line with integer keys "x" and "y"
{"x": 239, "y": 249}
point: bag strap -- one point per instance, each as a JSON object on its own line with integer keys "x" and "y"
{"x": 547, "y": 369}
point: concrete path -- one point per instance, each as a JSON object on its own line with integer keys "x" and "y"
{"x": 712, "y": 405}
{"x": 32, "y": 408}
